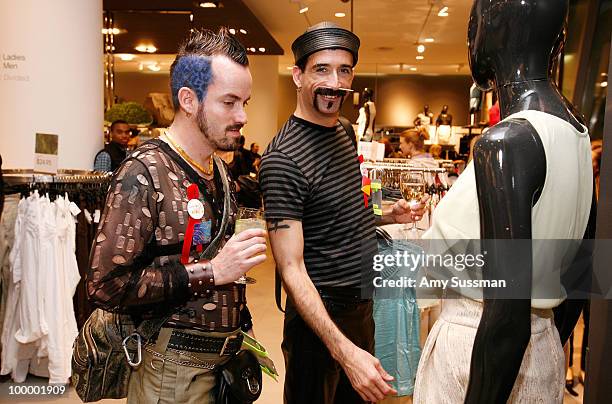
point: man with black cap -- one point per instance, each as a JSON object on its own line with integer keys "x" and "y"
{"x": 322, "y": 232}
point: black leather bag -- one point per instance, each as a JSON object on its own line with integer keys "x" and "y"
{"x": 239, "y": 381}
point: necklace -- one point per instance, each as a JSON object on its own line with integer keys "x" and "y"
{"x": 191, "y": 161}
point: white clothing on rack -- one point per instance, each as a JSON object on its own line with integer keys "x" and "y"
{"x": 40, "y": 324}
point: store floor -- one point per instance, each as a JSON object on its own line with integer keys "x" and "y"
{"x": 268, "y": 329}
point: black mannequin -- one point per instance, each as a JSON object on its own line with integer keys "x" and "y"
{"x": 517, "y": 67}
{"x": 424, "y": 118}
{"x": 444, "y": 118}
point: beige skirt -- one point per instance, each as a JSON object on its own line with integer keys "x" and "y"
{"x": 444, "y": 369}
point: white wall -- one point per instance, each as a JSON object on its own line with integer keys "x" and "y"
{"x": 262, "y": 111}
{"x": 58, "y": 88}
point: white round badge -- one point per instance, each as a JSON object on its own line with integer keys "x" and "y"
{"x": 195, "y": 208}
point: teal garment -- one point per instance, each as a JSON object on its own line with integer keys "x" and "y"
{"x": 397, "y": 321}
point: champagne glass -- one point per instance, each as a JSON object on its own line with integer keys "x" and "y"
{"x": 412, "y": 186}
{"x": 248, "y": 218}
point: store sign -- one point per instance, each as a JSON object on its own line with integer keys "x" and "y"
{"x": 45, "y": 153}
{"x": 12, "y": 67}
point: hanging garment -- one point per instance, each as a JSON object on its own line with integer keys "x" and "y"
{"x": 7, "y": 238}
{"x": 396, "y": 316}
{"x": 39, "y": 326}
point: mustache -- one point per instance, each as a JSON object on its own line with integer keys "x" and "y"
{"x": 238, "y": 126}
{"x": 332, "y": 92}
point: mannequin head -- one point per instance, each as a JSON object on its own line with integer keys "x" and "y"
{"x": 498, "y": 54}
{"x": 445, "y": 109}
{"x": 426, "y": 109}
{"x": 368, "y": 94}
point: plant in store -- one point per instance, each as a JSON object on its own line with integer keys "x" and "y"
{"x": 131, "y": 112}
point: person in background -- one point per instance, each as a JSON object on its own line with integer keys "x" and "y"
{"x": 412, "y": 145}
{"x": 389, "y": 152}
{"x": 241, "y": 164}
{"x": 109, "y": 158}
{"x": 436, "y": 151}
{"x": 255, "y": 151}
{"x": 254, "y": 158}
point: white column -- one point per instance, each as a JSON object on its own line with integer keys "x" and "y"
{"x": 263, "y": 109}
{"x": 51, "y": 79}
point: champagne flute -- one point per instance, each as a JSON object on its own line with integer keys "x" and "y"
{"x": 248, "y": 218}
{"x": 412, "y": 186}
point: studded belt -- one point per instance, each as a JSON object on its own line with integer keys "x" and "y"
{"x": 202, "y": 344}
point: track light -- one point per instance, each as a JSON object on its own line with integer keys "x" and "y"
{"x": 443, "y": 12}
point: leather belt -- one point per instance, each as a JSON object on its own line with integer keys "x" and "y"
{"x": 342, "y": 294}
{"x": 183, "y": 341}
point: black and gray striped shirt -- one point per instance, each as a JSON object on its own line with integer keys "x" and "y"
{"x": 311, "y": 173}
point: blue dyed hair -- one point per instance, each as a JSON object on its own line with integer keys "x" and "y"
{"x": 194, "y": 72}
{"x": 192, "y": 67}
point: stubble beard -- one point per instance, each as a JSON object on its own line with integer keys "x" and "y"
{"x": 223, "y": 143}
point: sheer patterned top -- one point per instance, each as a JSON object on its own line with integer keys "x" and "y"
{"x": 135, "y": 263}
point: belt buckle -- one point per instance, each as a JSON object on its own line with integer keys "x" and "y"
{"x": 227, "y": 340}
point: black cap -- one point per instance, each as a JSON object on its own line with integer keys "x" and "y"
{"x": 325, "y": 35}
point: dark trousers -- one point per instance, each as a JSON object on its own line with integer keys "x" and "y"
{"x": 312, "y": 375}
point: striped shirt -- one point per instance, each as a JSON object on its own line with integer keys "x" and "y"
{"x": 311, "y": 173}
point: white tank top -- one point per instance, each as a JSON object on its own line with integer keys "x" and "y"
{"x": 561, "y": 212}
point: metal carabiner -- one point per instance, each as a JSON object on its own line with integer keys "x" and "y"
{"x": 138, "y": 339}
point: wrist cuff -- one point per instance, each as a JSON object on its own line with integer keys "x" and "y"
{"x": 201, "y": 279}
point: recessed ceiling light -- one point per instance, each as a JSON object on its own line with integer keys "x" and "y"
{"x": 154, "y": 67}
{"x": 303, "y": 9}
{"x": 604, "y": 84}
{"x": 243, "y": 31}
{"x": 208, "y": 4}
{"x": 340, "y": 15}
{"x": 113, "y": 31}
{"x": 252, "y": 49}
{"x": 414, "y": 69}
{"x": 126, "y": 56}
{"x": 421, "y": 48}
{"x": 443, "y": 12}
{"x": 429, "y": 40}
{"x": 420, "y": 57}
{"x": 146, "y": 48}
{"x": 262, "y": 49}
{"x": 232, "y": 31}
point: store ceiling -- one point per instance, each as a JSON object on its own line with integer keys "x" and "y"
{"x": 388, "y": 29}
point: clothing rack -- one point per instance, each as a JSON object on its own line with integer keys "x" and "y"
{"x": 389, "y": 174}
{"x": 401, "y": 166}
{"x": 28, "y": 176}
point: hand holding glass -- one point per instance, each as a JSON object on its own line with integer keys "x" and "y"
{"x": 248, "y": 218}
{"x": 412, "y": 185}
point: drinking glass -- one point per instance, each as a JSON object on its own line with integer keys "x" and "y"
{"x": 248, "y": 218}
{"x": 412, "y": 186}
